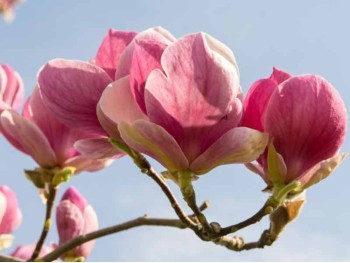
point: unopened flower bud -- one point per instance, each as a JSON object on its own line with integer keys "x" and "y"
{"x": 75, "y": 217}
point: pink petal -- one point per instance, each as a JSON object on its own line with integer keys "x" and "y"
{"x": 279, "y": 76}
{"x": 25, "y": 251}
{"x": 154, "y": 141}
{"x": 73, "y": 196}
{"x": 195, "y": 100}
{"x": 12, "y": 90}
{"x": 81, "y": 163}
{"x": 239, "y": 145}
{"x": 146, "y": 57}
{"x": 112, "y": 46}
{"x": 12, "y": 217}
{"x": 255, "y": 103}
{"x": 97, "y": 148}
{"x": 71, "y": 90}
{"x": 28, "y": 138}
{"x": 117, "y": 104}
{"x": 157, "y": 34}
{"x": 307, "y": 119}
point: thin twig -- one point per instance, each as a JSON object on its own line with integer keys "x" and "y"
{"x": 265, "y": 210}
{"x": 47, "y": 223}
{"x": 6, "y": 258}
{"x": 140, "y": 221}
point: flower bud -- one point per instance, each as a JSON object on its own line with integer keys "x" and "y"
{"x": 10, "y": 216}
{"x": 25, "y": 251}
{"x": 75, "y": 217}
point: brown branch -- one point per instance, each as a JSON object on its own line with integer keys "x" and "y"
{"x": 47, "y": 223}
{"x": 140, "y": 221}
{"x": 6, "y": 258}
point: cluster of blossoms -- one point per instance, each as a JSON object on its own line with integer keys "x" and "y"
{"x": 178, "y": 101}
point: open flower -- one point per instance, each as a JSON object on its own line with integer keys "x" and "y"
{"x": 10, "y": 216}
{"x": 50, "y": 143}
{"x": 11, "y": 89}
{"x": 74, "y": 217}
{"x": 81, "y": 85}
{"x": 306, "y": 119}
{"x": 181, "y": 104}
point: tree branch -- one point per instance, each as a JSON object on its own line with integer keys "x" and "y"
{"x": 6, "y": 258}
{"x": 140, "y": 221}
{"x": 47, "y": 223}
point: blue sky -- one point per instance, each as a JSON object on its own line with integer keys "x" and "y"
{"x": 296, "y": 36}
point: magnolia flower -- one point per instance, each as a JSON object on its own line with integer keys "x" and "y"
{"x": 306, "y": 119}
{"x": 11, "y": 88}
{"x": 25, "y": 251}
{"x": 181, "y": 104}
{"x": 81, "y": 85}
{"x": 7, "y": 8}
{"x": 74, "y": 217}
{"x": 10, "y": 216}
{"x": 50, "y": 143}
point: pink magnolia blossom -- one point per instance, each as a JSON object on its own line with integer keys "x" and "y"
{"x": 74, "y": 217}
{"x": 10, "y": 216}
{"x": 181, "y": 104}
{"x": 81, "y": 85}
{"x": 11, "y": 89}
{"x": 306, "y": 119}
{"x": 7, "y": 8}
{"x": 25, "y": 251}
{"x": 50, "y": 143}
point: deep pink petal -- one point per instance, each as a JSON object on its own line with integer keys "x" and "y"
{"x": 71, "y": 90}
{"x": 12, "y": 90}
{"x": 117, "y": 104}
{"x": 307, "y": 119}
{"x": 27, "y": 137}
{"x": 12, "y": 216}
{"x": 195, "y": 100}
{"x": 255, "y": 103}
{"x": 73, "y": 195}
{"x": 239, "y": 145}
{"x": 97, "y": 148}
{"x": 146, "y": 57}
{"x": 153, "y": 140}
{"x": 279, "y": 76}
{"x": 112, "y": 46}
{"x": 157, "y": 34}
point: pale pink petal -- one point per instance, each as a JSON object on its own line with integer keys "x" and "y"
{"x": 239, "y": 145}
{"x": 97, "y": 148}
{"x": 307, "y": 119}
{"x": 195, "y": 99}
{"x": 25, "y": 251}
{"x": 146, "y": 57}
{"x": 258, "y": 169}
{"x": 255, "y": 103}
{"x": 27, "y": 137}
{"x": 153, "y": 140}
{"x": 117, "y": 104}
{"x": 71, "y": 90}
{"x": 13, "y": 91}
{"x": 279, "y": 76}
{"x": 112, "y": 46}
{"x": 157, "y": 34}
{"x": 81, "y": 163}
{"x": 12, "y": 217}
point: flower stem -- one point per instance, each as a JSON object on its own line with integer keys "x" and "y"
{"x": 47, "y": 223}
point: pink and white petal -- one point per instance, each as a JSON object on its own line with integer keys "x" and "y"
{"x": 192, "y": 99}
{"x": 157, "y": 34}
{"x": 12, "y": 90}
{"x": 71, "y": 89}
{"x": 91, "y": 224}
{"x": 112, "y": 46}
{"x": 28, "y": 138}
{"x": 256, "y": 102}
{"x": 153, "y": 140}
{"x": 146, "y": 57}
{"x": 307, "y": 119}
{"x": 279, "y": 76}
{"x": 97, "y": 148}
{"x": 321, "y": 170}
{"x": 82, "y": 163}
{"x": 12, "y": 217}
{"x": 117, "y": 104}
{"x": 239, "y": 145}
